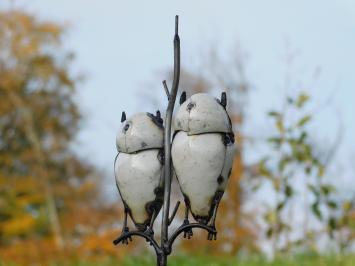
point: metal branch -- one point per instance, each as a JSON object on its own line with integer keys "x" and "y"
{"x": 167, "y": 145}
{"x": 174, "y": 212}
{"x": 149, "y": 238}
{"x": 166, "y": 89}
{"x": 185, "y": 227}
{"x": 167, "y": 136}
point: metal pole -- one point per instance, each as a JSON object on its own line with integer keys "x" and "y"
{"x": 162, "y": 261}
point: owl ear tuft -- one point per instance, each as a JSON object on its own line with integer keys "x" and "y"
{"x": 158, "y": 117}
{"x": 224, "y": 99}
{"x": 182, "y": 97}
{"x": 157, "y": 114}
{"x": 123, "y": 117}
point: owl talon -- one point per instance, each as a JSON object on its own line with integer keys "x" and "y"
{"x": 124, "y": 233}
{"x": 212, "y": 235}
{"x": 187, "y": 232}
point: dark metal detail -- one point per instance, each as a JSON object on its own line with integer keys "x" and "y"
{"x": 166, "y": 89}
{"x": 184, "y": 228}
{"x": 128, "y": 235}
{"x": 167, "y": 145}
{"x": 228, "y": 139}
{"x": 123, "y": 117}
{"x": 182, "y": 97}
{"x": 161, "y": 156}
{"x": 166, "y": 247}
{"x": 174, "y": 213}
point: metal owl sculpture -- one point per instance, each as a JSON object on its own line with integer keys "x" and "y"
{"x": 139, "y": 168}
{"x": 202, "y": 153}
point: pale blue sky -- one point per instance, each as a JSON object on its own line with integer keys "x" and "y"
{"x": 122, "y": 44}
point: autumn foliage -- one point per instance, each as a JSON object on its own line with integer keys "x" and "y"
{"x": 49, "y": 203}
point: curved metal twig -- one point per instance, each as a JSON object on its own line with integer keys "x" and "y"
{"x": 147, "y": 237}
{"x": 185, "y": 227}
{"x": 174, "y": 213}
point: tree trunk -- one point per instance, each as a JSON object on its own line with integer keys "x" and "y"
{"x": 40, "y": 170}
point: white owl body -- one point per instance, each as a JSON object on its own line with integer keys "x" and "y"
{"x": 202, "y": 159}
{"x": 138, "y": 177}
{"x": 202, "y": 153}
{"x": 139, "y": 167}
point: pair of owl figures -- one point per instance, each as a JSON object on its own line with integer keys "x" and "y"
{"x": 202, "y": 154}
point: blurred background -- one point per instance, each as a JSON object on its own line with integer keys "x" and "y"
{"x": 69, "y": 68}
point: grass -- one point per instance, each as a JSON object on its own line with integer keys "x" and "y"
{"x": 310, "y": 260}
{"x": 189, "y": 260}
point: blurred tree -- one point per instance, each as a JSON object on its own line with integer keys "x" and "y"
{"x": 43, "y": 183}
{"x": 344, "y": 226}
{"x": 296, "y": 174}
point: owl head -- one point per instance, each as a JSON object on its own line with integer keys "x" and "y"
{"x": 141, "y": 131}
{"x": 202, "y": 113}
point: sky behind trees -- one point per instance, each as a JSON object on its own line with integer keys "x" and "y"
{"x": 121, "y": 45}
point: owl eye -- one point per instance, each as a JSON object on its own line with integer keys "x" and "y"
{"x": 126, "y": 127}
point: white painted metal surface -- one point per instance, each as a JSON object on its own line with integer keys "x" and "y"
{"x": 137, "y": 176}
{"x": 202, "y": 164}
{"x": 201, "y": 113}
{"x": 139, "y": 133}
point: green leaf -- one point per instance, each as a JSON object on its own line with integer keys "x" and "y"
{"x": 326, "y": 189}
{"x": 308, "y": 169}
{"x": 280, "y": 126}
{"x": 332, "y": 204}
{"x": 283, "y": 163}
{"x": 288, "y": 191}
{"x": 280, "y": 206}
{"x": 275, "y": 140}
{"x": 302, "y": 137}
{"x": 304, "y": 120}
{"x": 347, "y": 205}
{"x": 302, "y": 99}
{"x": 263, "y": 170}
{"x": 274, "y": 114}
{"x": 321, "y": 171}
{"x": 314, "y": 190}
{"x": 276, "y": 184}
{"x": 332, "y": 223}
{"x": 316, "y": 211}
{"x": 269, "y": 232}
{"x": 270, "y": 217}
